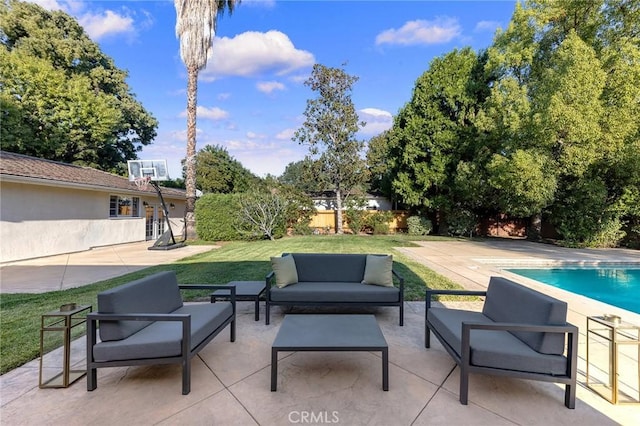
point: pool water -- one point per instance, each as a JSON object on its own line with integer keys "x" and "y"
{"x": 616, "y": 285}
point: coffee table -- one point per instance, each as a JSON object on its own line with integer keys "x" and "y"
{"x": 333, "y": 332}
{"x": 245, "y": 290}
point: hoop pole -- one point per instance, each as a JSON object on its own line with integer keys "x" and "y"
{"x": 164, "y": 209}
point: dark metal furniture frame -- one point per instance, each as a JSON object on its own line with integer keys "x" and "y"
{"x": 463, "y": 360}
{"x": 186, "y": 354}
{"x": 245, "y": 291}
{"x": 329, "y": 333}
{"x": 270, "y": 278}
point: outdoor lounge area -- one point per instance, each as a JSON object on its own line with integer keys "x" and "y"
{"x": 231, "y": 380}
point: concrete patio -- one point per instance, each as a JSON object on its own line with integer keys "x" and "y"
{"x": 231, "y": 381}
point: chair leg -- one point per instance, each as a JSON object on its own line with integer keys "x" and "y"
{"x": 427, "y": 336}
{"x": 233, "y": 330}
{"x": 570, "y": 396}
{"x": 186, "y": 376}
{"x": 464, "y": 386}
{"x": 267, "y": 313}
{"x": 92, "y": 379}
{"x": 401, "y": 314}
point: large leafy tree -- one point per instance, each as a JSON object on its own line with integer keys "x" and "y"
{"x": 195, "y": 27}
{"x": 578, "y": 65}
{"x": 329, "y": 129}
{"x": 217, "y": 171}
{"x": 62, "y": 97}
{"x": 433, "y": 132}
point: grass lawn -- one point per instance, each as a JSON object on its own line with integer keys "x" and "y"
{"x": 21, "y": 313}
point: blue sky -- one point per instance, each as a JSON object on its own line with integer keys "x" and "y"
{"x": 251, "y": 96}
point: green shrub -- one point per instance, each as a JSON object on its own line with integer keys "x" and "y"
{"x": 216, "y": 217}
{"x": 419, "y": 225}
{"x": 379, "y": 221}
{"x": 356, "y": 219}
{"x": 462, "y": 222}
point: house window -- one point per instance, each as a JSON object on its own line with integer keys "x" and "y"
{"x": 122, "y": 206}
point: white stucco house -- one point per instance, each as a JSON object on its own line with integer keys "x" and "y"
{"x": 48, "y": 208}
{"x": 326, "y": 200}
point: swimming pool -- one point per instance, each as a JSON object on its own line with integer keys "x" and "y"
{"x": 616, "y": 285}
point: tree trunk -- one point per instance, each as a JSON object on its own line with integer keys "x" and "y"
{"x": 339, "y": 229}
{"x": 534, "y": 231}
{"x": 190, "y": 178}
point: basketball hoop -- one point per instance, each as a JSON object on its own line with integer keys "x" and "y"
{"x": 142, "y": 182}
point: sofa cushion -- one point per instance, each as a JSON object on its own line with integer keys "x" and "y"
{"x": 164, "y": 338}
{"x": 336, "y": 292}
{"x": 285, "y": 270}
{"x": 495, "y": 349}
{"x": 157, "y": 293}
{"x": 378, "y": 269}
{"x": 508, "y": 301}
{"x": 330, "y": 267}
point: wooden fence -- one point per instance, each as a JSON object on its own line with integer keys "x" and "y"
{"x": 325, "y": 221}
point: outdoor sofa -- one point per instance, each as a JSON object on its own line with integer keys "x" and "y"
{"x": 520, "y": 333}
{"x": 327, "y": 279}
{"x": 146, "y": 322}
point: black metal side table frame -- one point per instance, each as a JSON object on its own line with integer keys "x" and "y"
{"x": 245, "y": 291}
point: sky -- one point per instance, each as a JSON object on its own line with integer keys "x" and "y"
{"x": 251, "y": 95}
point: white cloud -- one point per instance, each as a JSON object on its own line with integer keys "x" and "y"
{"x": 440, "y": 30}
{"x": 213, "y": 113}
{"x": 97, "y": 25}
{"x": 105, "y": 24}
{"x": 377, "y": 121}
{"x": 254, "y": 135}
{"x": 224, "y": 96}
{"x": 286, "y": 134}
{"x": 269, "y": 86}
{"x": 254, "y": 53}
{"x": 489, "y": 26}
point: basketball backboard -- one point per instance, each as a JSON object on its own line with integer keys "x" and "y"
{"x": 154, "y": 169}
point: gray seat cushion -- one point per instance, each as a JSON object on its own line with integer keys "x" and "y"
{"x": 155, "y": 294}
{"x": 330, "y": 267}
{"x": 495, "y": 349}
{"x": 332, "y": 292}
{"x": 164, "y": 338}
{"x": 508, "y": 301}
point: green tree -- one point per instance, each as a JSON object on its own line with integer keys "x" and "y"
{"x": 330, "y": 128}
{"x": 303, "y": 176}
{"x": 434, "y": 131}
{"x": 217, "y": 171}
{"x": 62, "y": 97}
{"x": 195, "y": 27}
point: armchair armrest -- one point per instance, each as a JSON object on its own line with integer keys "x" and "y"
{"x": 569, "y": 329}
{"x": 94, "y": 317}
{"x": 430, "y": 293}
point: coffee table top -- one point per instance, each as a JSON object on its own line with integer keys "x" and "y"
{"x": 329, "y": 332}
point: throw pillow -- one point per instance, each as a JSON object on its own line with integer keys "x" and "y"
{"x": 378, "y": 270}
{"x": 285, "y": 270}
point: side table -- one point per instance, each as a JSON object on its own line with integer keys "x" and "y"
{"x": 62, "y": 320}
{"x": 616, "y": 335}
{"x": 245, "y": 290}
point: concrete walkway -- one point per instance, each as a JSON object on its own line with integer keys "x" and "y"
{"x": 231, "y": 381}
{"x": 81, "y": 268}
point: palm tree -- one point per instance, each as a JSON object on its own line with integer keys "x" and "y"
{"x": 195, "y": 27}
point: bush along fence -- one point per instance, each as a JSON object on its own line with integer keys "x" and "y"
{"x": 368, "y": 221}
